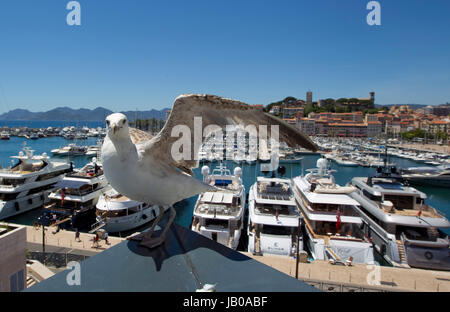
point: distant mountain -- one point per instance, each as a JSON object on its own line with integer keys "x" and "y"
{"x": 82, "y": 114}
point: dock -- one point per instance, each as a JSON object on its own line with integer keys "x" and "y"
{"x": 66, "y": 239}
{"x": 359, "y": 277}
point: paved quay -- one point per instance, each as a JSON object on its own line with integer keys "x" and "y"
{"x": 66, "y": 239}
{"x": 442, "y": 149}
{"x": 361, "y": 276}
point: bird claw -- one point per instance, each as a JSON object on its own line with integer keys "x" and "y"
{"x": 152, "y": 242}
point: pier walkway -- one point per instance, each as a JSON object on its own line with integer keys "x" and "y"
{"x": 441, "y": 149}
{"x": 360, "y": 277}
{"x": 66, "y": 239}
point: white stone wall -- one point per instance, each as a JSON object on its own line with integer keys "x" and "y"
{"x": 12, "y": 257}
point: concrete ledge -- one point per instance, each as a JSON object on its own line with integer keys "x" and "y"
{"x": 38, "y": 270}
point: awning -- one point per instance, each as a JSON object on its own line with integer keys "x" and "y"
{"x": 72, "y": 184}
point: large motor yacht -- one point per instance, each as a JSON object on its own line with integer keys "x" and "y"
{"x": 405, "y": 230}
{"x": 4, "y": 135}
{"x": 27, "y": 184}
{"x": 219, "y": 215}
{"x": 430, "y": 176}
{"x": 332, "y": 225}
{"x": 274, "y": 219}
{"x": 118, "y": 213}
{"x": 70, "y": 150}
{"x": 76, "y": 197}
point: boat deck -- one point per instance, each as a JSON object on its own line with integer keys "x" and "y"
{"x": 427, "y": 212}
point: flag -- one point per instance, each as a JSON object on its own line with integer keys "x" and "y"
{"x": 420, "y": 212}
{"x": 338, "y": 219}
{"x": 62, "y": 197}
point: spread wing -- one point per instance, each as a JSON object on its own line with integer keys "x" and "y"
{"x": 214, "y": 110}
{"x": 139, "y": 136}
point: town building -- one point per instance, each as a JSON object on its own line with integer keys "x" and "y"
{"x": 307, "y": 126}
{"x": 309, "y": 98}
{"x": 356, "y": 130}
{"x": 374, "y": 129}
{"x": 12, "y": 258}
{"x": 275, "y": 110}
{"x": 293, "y": 112}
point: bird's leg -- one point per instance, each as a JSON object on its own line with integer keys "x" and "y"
{"x": 152, "y": 242}
{"x": 155, "y": 223}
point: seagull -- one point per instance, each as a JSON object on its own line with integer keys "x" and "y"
{"x": 142, "y": 167}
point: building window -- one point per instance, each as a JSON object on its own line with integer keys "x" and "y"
{"x": 17, "y": 281}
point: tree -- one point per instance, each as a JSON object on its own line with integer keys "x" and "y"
{"x": 340, "y": 109}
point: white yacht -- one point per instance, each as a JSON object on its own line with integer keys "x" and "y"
{"x": 434, "y": 176}
{"x": 4, "y": 135}
{"x": 341, "y": 159}
{"x": 34, "y": 136}
{"x": 70, "y": 150}
{"x": 274, "y": 219}
{"x": 77, "y": 195}
{"x": 405, "y": 231}
{"x": 118, "y": 213}
{"x": 219, "y": 215}
{"x": 27, "y": 184}
{"x": 331, "y": 222}
{"x": 93, "y": 150}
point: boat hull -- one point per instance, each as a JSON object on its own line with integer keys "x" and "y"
{"x": 126, "y": 223}
{"x": 24, "y": 204}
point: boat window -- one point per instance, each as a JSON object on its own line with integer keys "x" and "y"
{"x": 113, "y": 213}
{"x": 50, "y": 175}
{"x": 400, "y": 202}
{"x": 8, "y": 196}
{"x": 371, "y": 196}
{"x": 414, "y": 233}
{"x": 133, "y": 209}
{"x": 40, "y": 189}
{"x": 216, "y": 222}
{"x": 11, "y": 182}
{"x": 276, "y": 230}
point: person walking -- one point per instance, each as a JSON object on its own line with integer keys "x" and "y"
{"x": 106, "y": 238}
{"x": 77, "y": 236}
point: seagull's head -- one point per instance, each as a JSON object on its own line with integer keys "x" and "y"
{"x": 117, "y": 125}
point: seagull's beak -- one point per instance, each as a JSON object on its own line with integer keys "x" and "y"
{"x": 115, "y": 128}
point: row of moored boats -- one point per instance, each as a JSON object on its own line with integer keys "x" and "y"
{"x": 380, "y": 215}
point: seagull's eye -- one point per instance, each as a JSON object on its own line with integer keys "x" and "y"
{"x": 107, "y": 123}
{"x": 123, "y": 122}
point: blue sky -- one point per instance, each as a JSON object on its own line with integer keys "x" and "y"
{"x": 138, "y": 54}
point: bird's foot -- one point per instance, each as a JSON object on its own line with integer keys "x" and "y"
{"x": 152, "y": 242}
{"x": 147, "y": 240}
